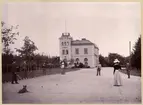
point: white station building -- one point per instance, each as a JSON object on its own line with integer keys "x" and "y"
{"x": 83, "y": 50}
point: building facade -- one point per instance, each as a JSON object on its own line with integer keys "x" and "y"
{"x": 82, "y": 50}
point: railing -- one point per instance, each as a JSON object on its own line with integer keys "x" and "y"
{"x": 32, "y": 73}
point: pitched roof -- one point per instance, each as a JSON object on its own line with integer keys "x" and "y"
{"x": 83, "y": 42}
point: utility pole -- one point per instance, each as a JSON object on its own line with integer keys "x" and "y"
{"x": 130, "y": 48}
{"x": 128, "y": 69}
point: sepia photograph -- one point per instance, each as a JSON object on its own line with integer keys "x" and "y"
{"x": 71, "y": 52}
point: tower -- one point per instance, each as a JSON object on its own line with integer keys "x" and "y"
{"x": 65, "y": 45}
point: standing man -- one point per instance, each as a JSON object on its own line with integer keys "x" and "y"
{"x": 44, "y": 68}
{"x": 14, "y": 75}
{"x": 98, "y": 69}
{"x": 14, "y": 78}
{"x": 25, "y": 69}
{"x": 128, "y": 69}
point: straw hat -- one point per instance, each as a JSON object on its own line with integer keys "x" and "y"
{"x": 116, "y": 61}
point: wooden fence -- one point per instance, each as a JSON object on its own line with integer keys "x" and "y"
{"x": 38, "y": 71}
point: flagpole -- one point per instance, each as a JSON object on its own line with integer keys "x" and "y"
{"x": 130, "y": 48}
{"x": 65, "y": 26}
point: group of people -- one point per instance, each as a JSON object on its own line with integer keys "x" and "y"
{"x": 116, "y": 73}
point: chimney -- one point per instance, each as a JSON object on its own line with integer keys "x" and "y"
{"x": 83, "y": 39}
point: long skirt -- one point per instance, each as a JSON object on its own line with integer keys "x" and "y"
{"x": 117, "y": 78}
{"x": 62, "y": 66}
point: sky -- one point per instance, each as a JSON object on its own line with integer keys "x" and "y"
{"x": 110, "y": 25}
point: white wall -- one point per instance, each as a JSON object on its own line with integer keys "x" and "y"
{"x": 81, "y": 55}
{"x": 92, "y": 59}
{"x": 67, "y": 47}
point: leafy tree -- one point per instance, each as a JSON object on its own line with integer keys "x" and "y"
{"x": 136, "y": 54}
{"x": 103, "y": 60}
{"x": 113, "y": 56}
{"x": 27, "y": 51}
{"x": 8, "y": 37}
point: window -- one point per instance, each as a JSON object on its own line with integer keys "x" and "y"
{"x": 76, "y": 51}
{"x": 85, "y": 51}
{"x": 63, "y": 52}
{"x": 65, "y": 43}
{"x": 85, "y": 59}
{"x": 62, "y": 43}
{"x": 67, "y": 51}
{"x": 77, "y": 59}
{"x": 86, "y": 62}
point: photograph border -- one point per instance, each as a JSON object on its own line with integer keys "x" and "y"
{"x": 141, "y": 3}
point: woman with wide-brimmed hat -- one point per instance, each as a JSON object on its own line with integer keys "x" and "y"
{"x": 117, "y": 76}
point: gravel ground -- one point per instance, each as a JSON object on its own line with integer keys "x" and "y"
{"x": 76, "y": 87}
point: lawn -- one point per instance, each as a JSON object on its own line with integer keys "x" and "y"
{"x": 133, "y": 72}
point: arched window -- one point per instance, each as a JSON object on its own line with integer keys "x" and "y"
{"x": 65, "y": 44}
{"x": 77, "y": 59}
{"x": 85, "y": 59}
{"x": 85, "y": 62}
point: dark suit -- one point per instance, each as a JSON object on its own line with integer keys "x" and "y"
{"x": 128, "y": 70}
{"x": 14, "y": 78}
{"x": 98, "y": 70}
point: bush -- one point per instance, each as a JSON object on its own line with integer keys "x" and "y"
{"x": 88, "y": 66}
{"x": 81, "y": 65}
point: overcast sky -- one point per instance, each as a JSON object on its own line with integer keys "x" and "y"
{"x": 109, "y": 25}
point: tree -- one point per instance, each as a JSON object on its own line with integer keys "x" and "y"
{"x": 27, "y": 51}
{"x": 103, "y": 61}
{"x": 136, "y": 54}
{"x": 8, "y": 37}
{"x": 113, "y": 56}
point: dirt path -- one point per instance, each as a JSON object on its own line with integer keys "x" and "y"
{"x": 76, "y": 87}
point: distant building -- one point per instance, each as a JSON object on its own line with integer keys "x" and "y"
{"x": 83, "y": 50}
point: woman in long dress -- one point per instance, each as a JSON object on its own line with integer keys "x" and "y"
{"x": 117, "y": 76}
{"x": 63, "y": 67}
